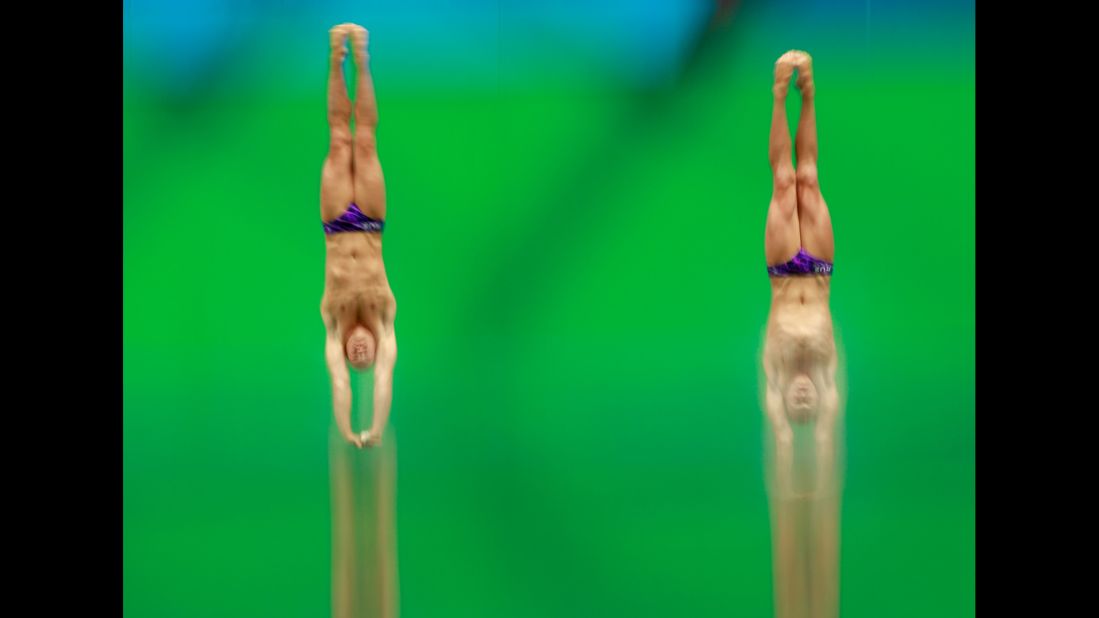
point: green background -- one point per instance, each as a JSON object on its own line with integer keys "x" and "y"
{"x": 575, "y": 240}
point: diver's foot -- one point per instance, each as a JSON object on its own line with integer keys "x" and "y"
{"x": 337, "y": 39}
{"x": 784, "y": 70}
{"x": 359, "y": 39}
{"x": 804, "y": 66}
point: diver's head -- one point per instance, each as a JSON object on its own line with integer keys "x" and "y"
{"x": 360, "y": 348}
{"x": 801, "y": 399}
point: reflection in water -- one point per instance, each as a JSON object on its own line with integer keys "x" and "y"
{"x": 364, "y": 539}
{"x": 804, "y": 487}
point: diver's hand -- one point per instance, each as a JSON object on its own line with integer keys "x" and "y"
{"x": 371, "y": 438}
{"x": 356, "y": 439}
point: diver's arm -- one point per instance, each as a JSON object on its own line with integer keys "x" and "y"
{"x": 383, "y": 384}
{"x": 783, "y": 443}
{"x": 341, "y": 387}
{"x": 825, "y": 434}
{"x": 829, "y": 403}
{"x": 776, "y": 415}
{"x": 773, "y": 404}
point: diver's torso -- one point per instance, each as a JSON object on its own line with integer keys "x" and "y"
{"x": 356, "y": 289}
{"x": 799, "y": 329}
